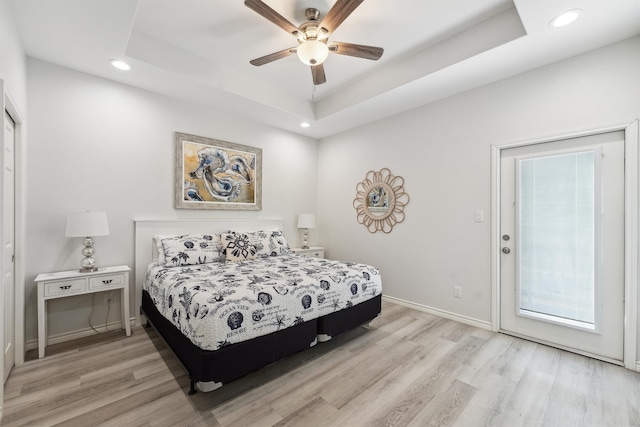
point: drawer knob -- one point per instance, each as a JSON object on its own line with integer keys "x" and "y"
{"x": 65, "y": 287}
{"x": 106, "y": 282}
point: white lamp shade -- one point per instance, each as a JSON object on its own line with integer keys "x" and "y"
{"x": 313, "y": 52}
{"x": 87, "y": 224}
{"x": 306, "y": 221}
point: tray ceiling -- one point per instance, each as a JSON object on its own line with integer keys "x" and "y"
{"x": 199, "y": 50}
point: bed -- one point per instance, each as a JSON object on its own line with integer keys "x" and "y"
{"x": 226, "y": 311}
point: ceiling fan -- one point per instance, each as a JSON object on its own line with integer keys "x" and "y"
{"x": 313, "y": 37}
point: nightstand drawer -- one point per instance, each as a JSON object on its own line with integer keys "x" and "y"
{"x": 106, "y": 281}
{"x": 314, "y": 254}
{"x": 64, "y": 287}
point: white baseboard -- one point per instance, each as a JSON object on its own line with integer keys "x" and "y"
{"x": 441, "y": 313}
{"x": 82, "y": 333}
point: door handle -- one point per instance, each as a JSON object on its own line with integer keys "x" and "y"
{"x": 506, "y": 250}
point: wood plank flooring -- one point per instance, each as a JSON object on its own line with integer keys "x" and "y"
{"x": 408, "y": 369}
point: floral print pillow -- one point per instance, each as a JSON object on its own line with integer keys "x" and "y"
{"x": 238, "y": 247}
{"x": 267, "y": 243}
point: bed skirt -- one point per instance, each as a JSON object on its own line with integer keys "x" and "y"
{"x": 237, "y": 360}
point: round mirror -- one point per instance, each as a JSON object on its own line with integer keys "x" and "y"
{"x": 380, "y": 201}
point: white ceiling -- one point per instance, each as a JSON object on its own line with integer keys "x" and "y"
{"x": 199, "y": 50}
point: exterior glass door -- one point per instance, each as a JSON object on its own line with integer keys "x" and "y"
{"x": 562, "y": 228}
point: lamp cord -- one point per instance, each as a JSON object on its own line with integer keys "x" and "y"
{"x": 93, "y": 300}
{"x": 93, "y": 305}
{"x": 106, "y": 327}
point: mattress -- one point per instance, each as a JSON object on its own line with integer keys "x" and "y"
{"x": 220, "y": 303}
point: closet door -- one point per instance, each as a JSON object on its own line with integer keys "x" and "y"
{"x": 8, "y": 251}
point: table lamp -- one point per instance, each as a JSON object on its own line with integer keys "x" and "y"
{"x": 306, "y": 221}
{"x": 87, "y": 225}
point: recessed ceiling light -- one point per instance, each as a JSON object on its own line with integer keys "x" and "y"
{"x": 305, "y": 124}
{"x": 120, "y": 65}
{"x": 565, "y": 18}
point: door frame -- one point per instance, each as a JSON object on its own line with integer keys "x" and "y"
{"x": 19, "y": 183}
{"x": 631, "y": 208}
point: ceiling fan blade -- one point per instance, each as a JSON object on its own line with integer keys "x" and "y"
{"x": 272, "y": 57}
{"x": 357, "y": 50}
{"x": 317, "y": 71}
{"x": 338, "y": 13}
{"x": 265, "y": 11}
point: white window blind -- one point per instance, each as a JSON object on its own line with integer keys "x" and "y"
{"x": 557, "y": 235}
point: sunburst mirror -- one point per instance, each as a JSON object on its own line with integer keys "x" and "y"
{"x": 380, "y": 201}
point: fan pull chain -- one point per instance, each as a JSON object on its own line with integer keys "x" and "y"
{"x": 313, "y": 91}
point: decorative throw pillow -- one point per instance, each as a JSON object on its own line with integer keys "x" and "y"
{"x": 268, "y": 243}
{"x": 192, "y": 249}
{"x": 238, "y": 247}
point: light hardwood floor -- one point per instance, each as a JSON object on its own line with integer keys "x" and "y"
{"x": 408, "y": 368}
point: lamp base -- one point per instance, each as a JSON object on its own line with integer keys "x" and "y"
{"x": 305, "y": 238}
{"x": 88, "y": 264}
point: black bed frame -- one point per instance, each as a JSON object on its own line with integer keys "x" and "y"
{"x": 236, "y": 360}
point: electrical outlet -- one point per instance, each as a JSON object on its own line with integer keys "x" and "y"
{"x": 108, "y": 298}
{"x": 457, "y": 291}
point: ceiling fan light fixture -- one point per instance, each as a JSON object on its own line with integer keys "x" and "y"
{"x": 313, "y": 37}
{"x": 313, "y": 52}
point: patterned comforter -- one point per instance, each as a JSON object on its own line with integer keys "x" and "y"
{"x": 222, "y": 303}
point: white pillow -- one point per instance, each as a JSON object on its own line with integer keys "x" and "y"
{"x": 159, "y": 249}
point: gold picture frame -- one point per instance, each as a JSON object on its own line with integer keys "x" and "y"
{"x": 215, "y": 174}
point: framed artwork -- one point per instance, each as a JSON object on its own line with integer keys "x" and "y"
{"x": 214, "y": 174}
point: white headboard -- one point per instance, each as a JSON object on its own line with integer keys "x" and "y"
{"x": 145, "y": 230}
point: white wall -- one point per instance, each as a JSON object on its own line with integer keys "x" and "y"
{"x": 99, "y": 145}
{"x": 443, "y": 152}
{"x": 12, "y": 58}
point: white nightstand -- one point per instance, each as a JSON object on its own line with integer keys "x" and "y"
{"x": 313, "y": 252}
{"x": 70, "y": 283}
